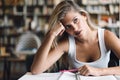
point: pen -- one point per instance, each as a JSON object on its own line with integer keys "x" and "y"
{"x": 77, "y": 76}
{"x": 70, "y": 70}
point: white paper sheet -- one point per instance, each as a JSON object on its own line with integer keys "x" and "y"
{"x": 110, "y": 77}
{"x": 43, "y": 76}
{"x": 71, "y": 76}
{"x": 65, "y": 76}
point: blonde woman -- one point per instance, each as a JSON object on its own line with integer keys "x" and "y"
{"x": 87, "y": 47}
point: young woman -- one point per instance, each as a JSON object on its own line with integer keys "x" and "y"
{"x": 87, "y": 46}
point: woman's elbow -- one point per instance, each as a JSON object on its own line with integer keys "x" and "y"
{"x": 35, "y": 71}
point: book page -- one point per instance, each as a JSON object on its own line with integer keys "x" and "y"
{"x": 67, "y": 76}
{"x": 117, "y": 77}
{"x": 43, "y": 76}
{"x": 71, "y": 76}
{"x": 110, "y": 77}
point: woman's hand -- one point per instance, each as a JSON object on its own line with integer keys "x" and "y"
{"x": 58, "y": 29}
{"x": 88, "y": 70}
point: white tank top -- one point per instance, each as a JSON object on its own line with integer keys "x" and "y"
{"x": 102, "y": 62}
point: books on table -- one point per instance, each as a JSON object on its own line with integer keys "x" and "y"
{"x": 65, "y": 76}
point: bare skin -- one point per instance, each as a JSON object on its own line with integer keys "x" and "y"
{"x": 87, "y": 47}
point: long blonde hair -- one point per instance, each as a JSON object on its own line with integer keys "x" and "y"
{"x": 61, "y": 10}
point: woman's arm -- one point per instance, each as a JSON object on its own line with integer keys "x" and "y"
{"x": 112, "y": 42}
{"x": 87, "y": 70}
{"x": 46, "y": 56}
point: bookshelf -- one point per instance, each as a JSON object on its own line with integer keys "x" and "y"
{"x": 106, "y": 11}
{"x": 15, "y": 16}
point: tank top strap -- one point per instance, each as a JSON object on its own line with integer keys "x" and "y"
{"x": 72, "y": 46}
{"x": 101, "y": 40}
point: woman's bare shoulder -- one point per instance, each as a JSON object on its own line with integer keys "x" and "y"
{"x": 110, "y": 38}
{"x": 108, "y": 35}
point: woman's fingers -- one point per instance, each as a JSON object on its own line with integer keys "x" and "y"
{"x": 58, "y": 29}
{"x": 84, "y": 70}
{"x": 88, "y": 70}
{"x": 63, "y": 29}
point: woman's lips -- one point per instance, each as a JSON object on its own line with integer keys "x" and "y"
{"x": 77, "y": 32}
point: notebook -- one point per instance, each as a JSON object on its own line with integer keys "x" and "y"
{"x": 71, "y": 76}
{"x": 65, "y": 76}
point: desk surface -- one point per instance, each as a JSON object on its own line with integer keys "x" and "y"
{"x": 66, "y": 76}
{"x": 27, "y": 52}
{"x": 4, "y": 55}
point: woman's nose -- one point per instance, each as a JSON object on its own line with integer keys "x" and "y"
{"x": 75, "y": 28}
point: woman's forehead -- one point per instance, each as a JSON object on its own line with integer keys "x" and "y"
{"x": 70, "y": 16}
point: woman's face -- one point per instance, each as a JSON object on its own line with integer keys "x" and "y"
{"x": 74, "y": 23}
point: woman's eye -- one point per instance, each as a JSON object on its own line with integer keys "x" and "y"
{"x": 67, "y": 27}
{"x": 76, "y": 20}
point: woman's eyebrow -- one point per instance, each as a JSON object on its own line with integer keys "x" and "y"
{"x": 74, "y": 18}
{"x": 68, "y": 24}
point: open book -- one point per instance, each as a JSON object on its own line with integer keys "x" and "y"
{"x": 65, "y": 76}
{"x": 71, "y": 76}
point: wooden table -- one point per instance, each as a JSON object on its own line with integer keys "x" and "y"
{"x": 5, "y": 66}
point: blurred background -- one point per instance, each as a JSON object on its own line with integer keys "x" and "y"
{"x": 23, "y": 24}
